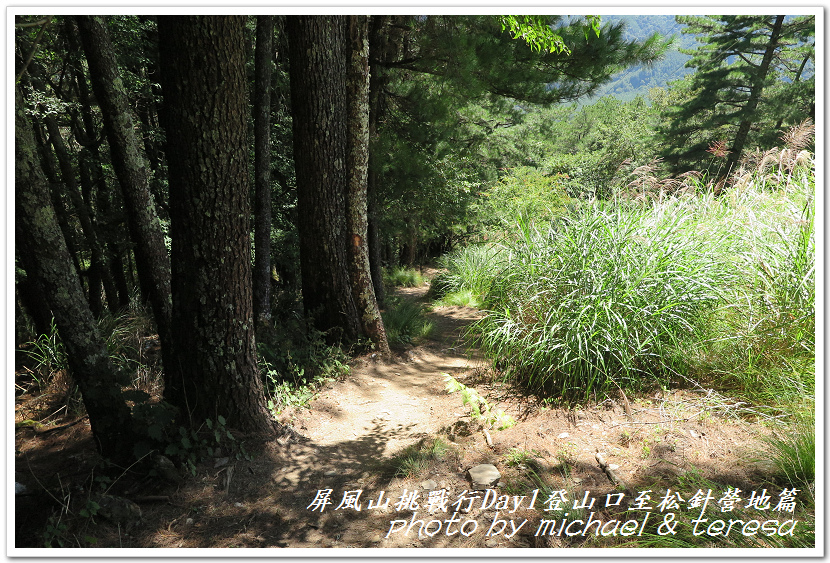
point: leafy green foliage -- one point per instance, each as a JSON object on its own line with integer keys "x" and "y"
{"x": 48, "y": 356}
{"x": 448, "y": 98}
{"x": 480, "y": 409}
{"x": 730, "y": 86}
{"x": 295, "y": 362}
{"x": 524, "y": 192}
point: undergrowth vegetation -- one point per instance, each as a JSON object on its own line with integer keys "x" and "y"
{"x": 706, "y": 284}
{"x": 405, "y": 321}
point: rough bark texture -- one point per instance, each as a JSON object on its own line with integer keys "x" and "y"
{"x": 99, "y": 268}
{"x": 755, "y": 95}
{"x": 262, "y": 167}
{"x": 48, "y": 166}
{"x": 39, "y": 237}
{"x": 205, "y": 116}
{"x": 152, "y": 261}
{"x": 357, "y": 165}
{"x": 317, "y": 50}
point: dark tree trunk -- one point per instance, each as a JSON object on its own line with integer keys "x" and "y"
{"x": 39, "y": 237}
{"x": 31, "y": 296}
{"x": 755, "y": 96}
{"x": 262, "y": 167}
{"x": 317, "y": 50}
{"x": 378, "y": 53}
{"x": 202, "y": 62}
{"x": 98, "y": 269}
{"x": 152, "y": 261}
{"x": 357, "y": 165}
{"x": 91, "y": 155}
{"x": 48, "y": 164}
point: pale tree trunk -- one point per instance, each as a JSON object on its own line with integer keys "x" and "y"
{"x": 357, "y": 165}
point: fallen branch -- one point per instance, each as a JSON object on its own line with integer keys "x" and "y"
{"x": 612, "y": 476}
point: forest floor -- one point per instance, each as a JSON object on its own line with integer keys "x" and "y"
{"x": 391, "y": 429}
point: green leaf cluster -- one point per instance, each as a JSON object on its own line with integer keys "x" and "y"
{"x": 480, "y": 409}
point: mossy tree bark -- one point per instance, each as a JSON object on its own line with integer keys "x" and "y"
{"x": 357, "y": 165}
{"x": 152, "y": 260}
{"x": 39, "y": 237}
{"x": 202, "y": 61}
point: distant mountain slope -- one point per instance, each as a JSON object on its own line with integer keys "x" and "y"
{"x": 638, "y": 80}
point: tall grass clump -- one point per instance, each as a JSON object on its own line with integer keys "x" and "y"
{"x": 405, "y": 321}
{"x": 400, "y": 276}
{"x": 468, "y": 271}
{"x": 600, "y": 299}
{"x": 762, "y": 341}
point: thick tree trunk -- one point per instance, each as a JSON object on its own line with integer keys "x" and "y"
{"x": 205, "y": 115}
{"x": 317, "y": 49}
{"x": 357, "y": 165}
{"x": 755, "y": 96}
{"x": 262, "y": 167}
{"x": 153, "y": 263}
{"x": 40, "y": 238}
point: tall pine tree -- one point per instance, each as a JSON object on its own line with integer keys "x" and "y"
{"x": 742, "y": 58}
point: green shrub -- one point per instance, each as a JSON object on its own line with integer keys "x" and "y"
{"x": 405, "y": 321}
{"x": 295, "y": 361}
{"x": 596, "y": 300}
{"x": 403, "y": 277}
{"x": 526, "y": 192}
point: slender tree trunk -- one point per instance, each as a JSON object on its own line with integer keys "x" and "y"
{"x": 357, "y": 165}
{"x": 797, "y": 79}
{"x": 373, "y": 239}
{"x": 40, "y": 238}
{"x": 755, "y": 96}
{"x": 202, "y": 61}
{"x": 262, "y": 167}
{"x": 98, "y": 269}
{"x": 317, "y": 49}
{"x": 48, "y": 165}
{"x": 378, "y": 53}
{"x": 153, "y": 263}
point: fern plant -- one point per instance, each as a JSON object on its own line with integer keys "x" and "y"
{"x": 480, "y": 409}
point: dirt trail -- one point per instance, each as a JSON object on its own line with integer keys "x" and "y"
{"x": 357, "y": 428}
{"x": 394, "y": 404}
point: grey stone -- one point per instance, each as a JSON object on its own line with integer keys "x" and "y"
{"x": 118, "y": 510}
{"x": 429, "y": 485}
{"x": 220, "y": 462}
{"x": 484, "y": 475}
{"x": 166, "y": 469}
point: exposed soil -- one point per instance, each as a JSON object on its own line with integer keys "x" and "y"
{"x": 353, "y": 432}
